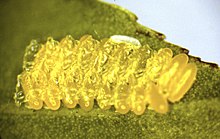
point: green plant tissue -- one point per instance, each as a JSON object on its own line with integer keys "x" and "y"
{"x": 197, "y": 115}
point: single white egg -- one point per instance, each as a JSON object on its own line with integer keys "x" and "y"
{"x": 122, "y": 38}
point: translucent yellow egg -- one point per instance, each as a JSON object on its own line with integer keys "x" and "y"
{"x": 70, "y": 102}
{"x": 86, "y": 103}
{"x": 182, "y": 82}
{"x": 35, "y": 104}
{"x": 52, "y": 103}
{"x": 165, "y": 80}
{"x": 26, "y": 82}
{"x": 121, "y": 98}
{"x": 122, "y": 106}
{"x": 157, "y": 101}
{"x": 104, "y": 97}
{"x": 138, "y": 100}
{"x": 166, "y": 51}
{"x": 139, "y": 108}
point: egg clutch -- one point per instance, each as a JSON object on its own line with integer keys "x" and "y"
{"x": 117, "y": 72}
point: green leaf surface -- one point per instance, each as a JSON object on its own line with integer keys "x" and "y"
{"x": 197, "y": 115}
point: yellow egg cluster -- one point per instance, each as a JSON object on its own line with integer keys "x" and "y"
{"x": 114, "y": 73}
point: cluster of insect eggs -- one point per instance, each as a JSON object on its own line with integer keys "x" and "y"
{"x": 77, "y": 72}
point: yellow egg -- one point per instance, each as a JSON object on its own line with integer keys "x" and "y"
{"x": 139, "y": 108}
{"x": 35, "y": 104}
{"x": 104, "y": 97}
{"x": 182, "y": 82}
{"x": 121, "y": 106}
{"x": 121, "y": 98}
{"x": 157, "y": 101}
{"x": 70, "y": 102}
{"x": 86, "y": 103}
{"x": 26, "y": 82}
{"x": 165, "y": 51}
{"x": 52, "y": 103}
{"x": 138, "y": 100}
{"x": 165, "y": 80}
